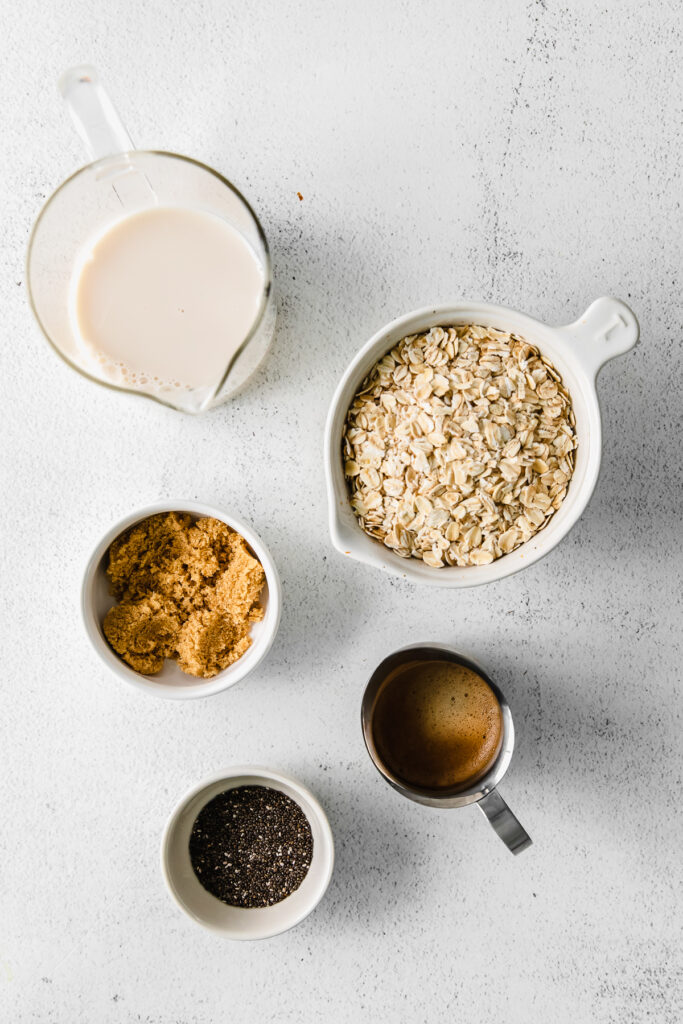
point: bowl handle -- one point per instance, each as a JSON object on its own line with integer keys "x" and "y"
{"x": 607, "y": 329}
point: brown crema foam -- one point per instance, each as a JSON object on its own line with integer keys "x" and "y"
{"x": 436, "y": 724}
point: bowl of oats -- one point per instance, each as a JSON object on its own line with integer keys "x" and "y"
{"x": 181, "y": 600}
{"x": 464, "y": 442}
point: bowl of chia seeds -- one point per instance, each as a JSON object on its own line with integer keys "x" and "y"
{"x": 247, "y": 853}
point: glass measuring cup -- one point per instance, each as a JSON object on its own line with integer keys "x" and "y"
{"x": 118, "y": 182}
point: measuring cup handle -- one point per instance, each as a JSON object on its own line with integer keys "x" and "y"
{"x": 504, "y": 822}
{"x": 607, "y": 329}
{"x": 95, "y": 116}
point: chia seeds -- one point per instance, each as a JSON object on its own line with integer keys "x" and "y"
{"x": 251, "y": 846}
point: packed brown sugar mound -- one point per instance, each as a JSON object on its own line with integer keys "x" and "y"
{"x": 187, "y": 591}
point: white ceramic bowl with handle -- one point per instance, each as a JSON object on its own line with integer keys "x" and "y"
{"x": 172, "y": 681}
{"x": 578, "y": 351}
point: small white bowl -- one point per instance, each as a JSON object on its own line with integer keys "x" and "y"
{"x": 172, "y": 682}
{"x": 207, "y": 910}
{"x": 578, "y": 351}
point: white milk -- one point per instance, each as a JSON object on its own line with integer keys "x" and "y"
{"x": 164, "y": 298}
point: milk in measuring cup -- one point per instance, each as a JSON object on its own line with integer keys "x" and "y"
{"x": 164, "y": 299}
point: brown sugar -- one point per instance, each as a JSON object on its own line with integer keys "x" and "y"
{"x": 187, "y": 591}
{"x": 208, "y": 642}
{"x": 143, "y": 633}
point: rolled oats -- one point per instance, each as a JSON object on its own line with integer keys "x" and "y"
{"x": 459, "y": 446}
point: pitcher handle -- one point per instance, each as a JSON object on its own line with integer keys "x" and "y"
{"x": 92, "y": 111}
{"x": 108, "y": 143}
{"x": 504, "y": 822}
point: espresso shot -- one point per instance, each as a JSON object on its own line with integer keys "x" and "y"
{"x": 436, "y": 725}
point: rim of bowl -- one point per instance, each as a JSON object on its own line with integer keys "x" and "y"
{"x": 192, "y": 690}
{"x": 269, "y": 775}
{"x": 378, "y": 556}
{"x": 267, "y": 285}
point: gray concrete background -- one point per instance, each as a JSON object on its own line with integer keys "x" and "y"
{"x": 528, "y": 154}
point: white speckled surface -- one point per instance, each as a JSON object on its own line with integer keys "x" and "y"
{"x": 528, "y": 154}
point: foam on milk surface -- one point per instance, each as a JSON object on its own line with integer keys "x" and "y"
{"x": 165, "y": 298}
